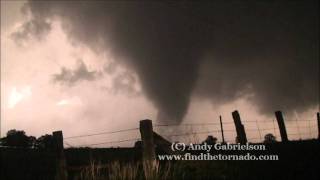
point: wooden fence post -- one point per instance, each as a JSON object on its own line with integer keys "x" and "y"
{"x": 241, "y": 133}
{"x": 221, "y": 126}
{"x": 61, "y": 172}
{"x": 318, "y": 118}
{"x": 148, "y": 154}
{"x": 282, "y": 127}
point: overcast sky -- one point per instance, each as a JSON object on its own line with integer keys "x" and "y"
{"x": 86, "y": 67}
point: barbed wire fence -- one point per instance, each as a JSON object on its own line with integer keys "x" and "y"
{"x": 256, "y": 130}
{"x": 197, "y": 132}
{"x": 70, "y": 138}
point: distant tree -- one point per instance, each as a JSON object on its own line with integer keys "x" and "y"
{"x": 210, "y": 140}
{"x": 32, "y": 141}
{"x": 45, "y": 142}
{"x": 17, "y": 138}
{"x": 269, "y": 138}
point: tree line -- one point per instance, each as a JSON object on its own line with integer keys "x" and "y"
{"x": 18, "y": 138}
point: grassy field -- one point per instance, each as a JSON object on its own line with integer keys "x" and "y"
{"x": 297, "y": 160}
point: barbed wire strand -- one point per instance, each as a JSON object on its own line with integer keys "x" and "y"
{"x": 102, "y": 133}
{"x": 68, "y": 144}
{"x": 192, "y": 133}
{"x": 189, "y": 124}
{"x": 110, "y": 142}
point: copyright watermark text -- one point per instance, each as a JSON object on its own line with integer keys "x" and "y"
{"x": 218, "y": 151}
{"x": 218, "y": 146}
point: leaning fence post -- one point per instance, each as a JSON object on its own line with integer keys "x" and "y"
{"x": 148, "y": 154}
{"x": 241, "y": 133}
{"x": 221, "y": 126}
{"x": 318, "y": 118}
{"x": 61, "y": 173}
{"x": 282, "y": 127}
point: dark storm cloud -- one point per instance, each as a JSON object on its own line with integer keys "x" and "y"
{"x": 34, "y": 28}
{"x": 110, "y": 68}
{"x": 216, "y": 50}
{"x": 124, "y": 82}
{"x": 72, "y": 76}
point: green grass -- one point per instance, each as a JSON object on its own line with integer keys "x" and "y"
{"x": 158, "y": 171}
